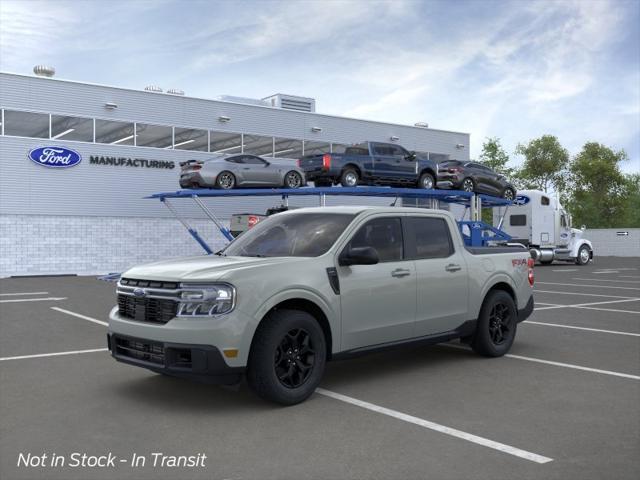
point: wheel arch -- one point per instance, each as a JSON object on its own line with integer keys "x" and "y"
{"x": 499, "y": 284}
{"x": 354, "y": 166}
{"x": 304, "y": 305}
{"x": 430, "y": 171}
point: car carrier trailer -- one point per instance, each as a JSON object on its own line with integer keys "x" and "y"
{"x": 475, "y": 232}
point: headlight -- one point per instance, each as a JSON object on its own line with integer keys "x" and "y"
{"x": 206, "y": 300}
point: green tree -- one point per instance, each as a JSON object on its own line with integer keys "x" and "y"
{"x": 495, "y": 157}
{"x": 598, "y": 191}
{"x": 545, "y": 164}
{"x": 630, "y": 216}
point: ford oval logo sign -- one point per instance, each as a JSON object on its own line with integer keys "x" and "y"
{"x": 521, "y": 200}
{"x": 139, "y": 292}
{"x": 55, "y": 157}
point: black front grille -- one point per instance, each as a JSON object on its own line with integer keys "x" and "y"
{"x": 141, "y": 309}
{"x": 132, "y": 282}
{"x": 140, "y": 350}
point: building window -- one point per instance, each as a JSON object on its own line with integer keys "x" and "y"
{"x": 71, "y": 128}
{"x": 26, "y": 124}
{"x": 316, "y": 148}
{"x": 115, "y": 133}
{"x": 258, "y": 145}
{"x": 287, "y": 148}
{"x": 225, "y": 143}
{"x": 191, "y": 139}
{"x": 157, "y": 136}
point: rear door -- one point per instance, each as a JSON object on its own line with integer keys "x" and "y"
{"x": 441, "y": 275}
{"x": 378, "y": 302}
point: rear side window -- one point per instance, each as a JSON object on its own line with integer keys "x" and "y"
{"x": 518, "y": 220}
{"x": 544, "y": 200}
{"x": 383, "y": 234}
{"x": 429, "y": 238}
{"x": 356, "y": 151}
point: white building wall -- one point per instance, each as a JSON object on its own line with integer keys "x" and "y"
{"x": 610, "y": 242}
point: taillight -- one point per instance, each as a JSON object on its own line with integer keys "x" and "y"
{"x": 299, "y": 162}
{"x": 196, "y": 167}
{"x": 326, "y": 161}
{"x": 252, "y": 220}
{"x": 455, "y": 170}
{"x": 530, "y": 263}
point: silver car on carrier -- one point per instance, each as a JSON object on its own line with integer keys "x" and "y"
{"x": 243, "y": 170}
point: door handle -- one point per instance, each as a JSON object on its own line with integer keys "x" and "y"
{"x": 452, "y": 267}
{"x": 400, "y": 272}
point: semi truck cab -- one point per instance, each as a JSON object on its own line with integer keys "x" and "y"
{"x": 538, "y": 221}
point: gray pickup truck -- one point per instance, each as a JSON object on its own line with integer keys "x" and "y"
{"x": 315, "y": 284}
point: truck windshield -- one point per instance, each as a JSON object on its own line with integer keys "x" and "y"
{"x": 291, "y": 235}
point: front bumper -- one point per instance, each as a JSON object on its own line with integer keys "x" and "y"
{"x": 203, "y": 363}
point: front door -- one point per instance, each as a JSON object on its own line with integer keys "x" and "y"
{"x": 441, "y": 276}
{"x": 378, "y": 302}
{"x": 391, "y": 162}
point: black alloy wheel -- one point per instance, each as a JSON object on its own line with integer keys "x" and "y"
{"x": 496, "y": 326}
{"x": 468, "y": 185}
{"x": 500, "y": 323}
{"x": 294, "y": 358}
{"x": 293, "y": 180}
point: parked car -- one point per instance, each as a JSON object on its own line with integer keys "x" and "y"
{"x": 243, "y": 170}
{"x": 307, "y": 286}
{"x": 474, "y": 177}
{"x": 371, "y": 163}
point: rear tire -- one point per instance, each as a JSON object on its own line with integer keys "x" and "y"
{"x": 427, "y": 182}
{"x": 468, "y": 185}
{"x": 584, "y": 255}
{"x": 349, "y": 178}
{"x": 497, "y": 324}
{"x": 225, "y": 180}
{"x": 288, "y": 356}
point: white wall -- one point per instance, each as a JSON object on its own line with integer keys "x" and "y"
{"x": 607, "y": 242}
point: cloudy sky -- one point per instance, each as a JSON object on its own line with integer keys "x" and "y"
{"x": 515, "y": 70}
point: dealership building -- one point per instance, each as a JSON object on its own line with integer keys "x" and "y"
{"x": 91, "y": 217}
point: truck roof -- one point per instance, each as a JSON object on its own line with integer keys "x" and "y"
{"x": 357, "y": 209}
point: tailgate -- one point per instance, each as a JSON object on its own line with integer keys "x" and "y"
{"x": 311, "y": 163}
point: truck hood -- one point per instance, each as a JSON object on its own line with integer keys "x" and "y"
{"x": 201, "y": 268}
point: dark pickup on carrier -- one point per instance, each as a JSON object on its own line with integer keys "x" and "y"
{"x": 371, "y": 163}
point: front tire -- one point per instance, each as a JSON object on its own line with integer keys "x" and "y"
{"x": 426, "y": 182}
{"x": 349, "y": 178}
{"x": 225, "y": 180}
{"x": 508, "y": 194}
{"x": 497, "y": 324}
{"x": 288, "y": 356}
{"x": 293, "y": 179}
{"x": 584, "y": 255}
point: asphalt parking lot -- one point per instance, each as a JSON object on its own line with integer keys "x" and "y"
{"x": 565, "y": 403}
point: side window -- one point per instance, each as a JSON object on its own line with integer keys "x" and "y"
{"x": 431, "y": 237}
{"x": 563, "y": 221}
{"x": 253, "y": 160}
{"x": 383, "y": 234}
{"x": 518, "y": 220}
{"x": 235, "y": 159}
{"x": 383, "y": 149}
{"x": 398, "y": 151}
{"x": 544, "y": 200}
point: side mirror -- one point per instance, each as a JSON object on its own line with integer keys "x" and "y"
{"x": 359, "y": 256}
{"x": 583, "y": 227}
{"x": 412, "y": 156}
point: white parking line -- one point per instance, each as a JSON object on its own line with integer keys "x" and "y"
{"x": 57, "y": 354}
{"x": 485, "y": 442}
{"x": 567, "y": 270}
{"x": 629, "y": 276}
{"x": 575, "y": 367}
{"x": 23, "y": 293}
{"x": 633, "y": 312}
{"x": 607, "y": 280}
{"x": 588, "y": 286}
{"x": 598, "y": 330}
{"x": 606, "y": 271}
{"x": 587, "y": 305}
{"x": 84, "y": 317}
{"x": 557, "y": 364}
{"x": 48, "y": 299}
{"x": 580, "y": 294}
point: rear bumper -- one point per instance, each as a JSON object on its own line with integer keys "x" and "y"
{"x": 524, "y": 313}
{"x": 203, "y": 363}
{"x": 189, "y": 180}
